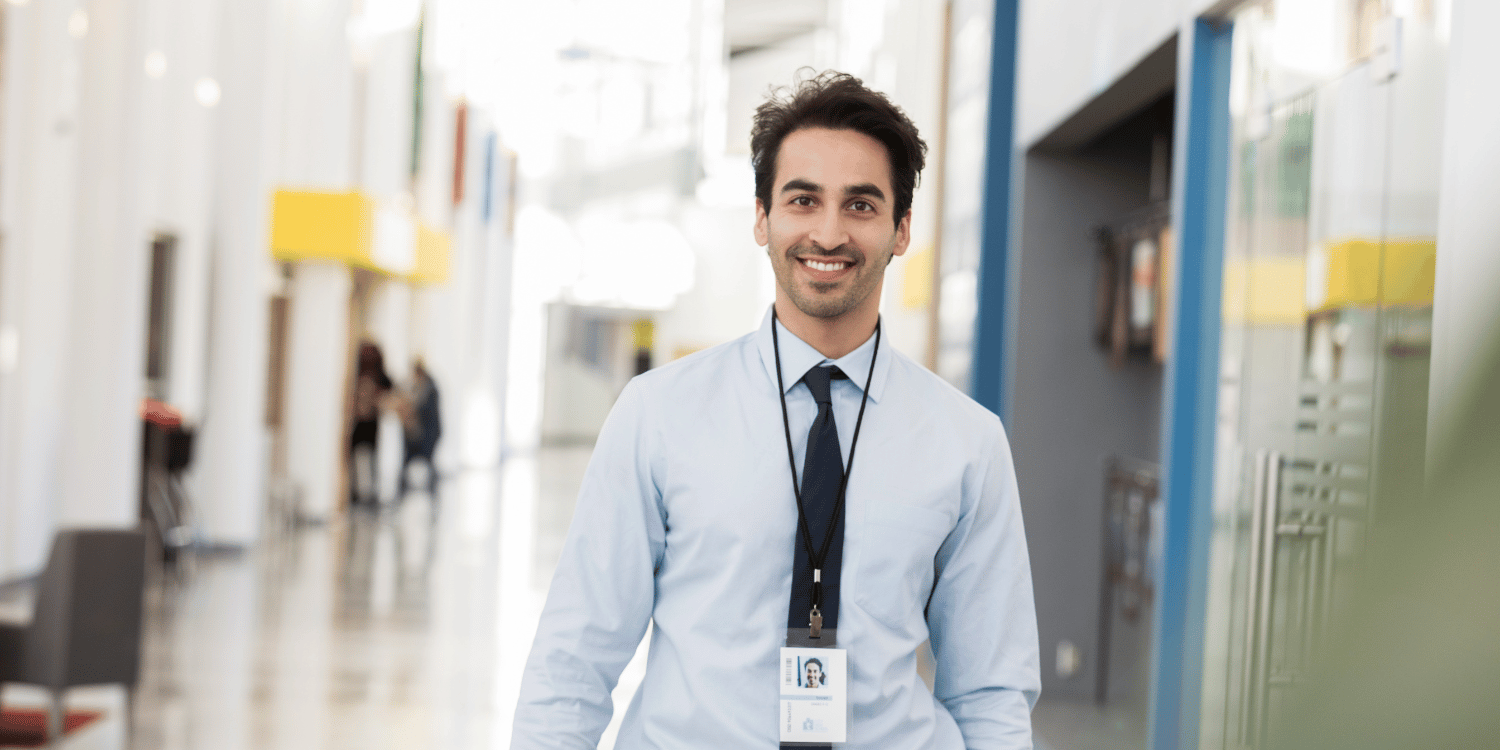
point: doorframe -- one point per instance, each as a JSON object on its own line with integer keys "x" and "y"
{"x": 994, "y": 322}
{"x": 1199, "y": 198}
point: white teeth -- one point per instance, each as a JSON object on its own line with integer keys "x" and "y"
{"x": 816, "y": 265}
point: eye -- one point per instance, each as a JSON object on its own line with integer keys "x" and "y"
{"x": 803, "y": 200}
{"x": 862, "y": 206}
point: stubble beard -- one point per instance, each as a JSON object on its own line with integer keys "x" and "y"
{"x": 820, "y": 304}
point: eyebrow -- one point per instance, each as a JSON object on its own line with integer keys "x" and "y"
{"x": 866, "y": 189}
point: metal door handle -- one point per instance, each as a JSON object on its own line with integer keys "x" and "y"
{"x": 1265, "y": 493}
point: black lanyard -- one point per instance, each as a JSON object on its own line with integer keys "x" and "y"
{"x": 814, "y": 554}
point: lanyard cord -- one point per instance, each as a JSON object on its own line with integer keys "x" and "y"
{"x": 816, "y": 556}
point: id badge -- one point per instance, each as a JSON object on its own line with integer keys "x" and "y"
{"x": 814, "y": 695}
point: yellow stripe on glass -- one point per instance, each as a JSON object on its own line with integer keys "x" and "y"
{"x": 1356, "y": 272}
{"x": 1266, "y": 290}
{"x": 1357, "y": 267}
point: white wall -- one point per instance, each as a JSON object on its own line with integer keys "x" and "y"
{"x": 383, "y": 135}
{"x": 316, "y": 95}
{"x": 1071, "y": 51}
{"x": 909, "y": 65}
{"x": 1465, "y": 311}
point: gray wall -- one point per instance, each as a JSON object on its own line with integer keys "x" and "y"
{"x": 1071, "y": 409}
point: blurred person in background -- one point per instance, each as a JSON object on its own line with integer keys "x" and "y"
{"x": 371, "y": 386}
{"x": 422, "y": 423}
{"x": 691, "y": 515}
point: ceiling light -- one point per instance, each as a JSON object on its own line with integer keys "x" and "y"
{"x": 156, "y": 64}
{"x": 78, "y": 24}
{"x": 207, "y": 92}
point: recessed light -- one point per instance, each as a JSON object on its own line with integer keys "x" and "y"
{"x": 78, "y": 24}
{"x": 156, "y": 64}
{"x": 207, "y": 92}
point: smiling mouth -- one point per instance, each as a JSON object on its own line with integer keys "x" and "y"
{"x": 820, "y": 265}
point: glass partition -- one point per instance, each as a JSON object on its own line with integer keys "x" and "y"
{"x": 1329, "y": 258}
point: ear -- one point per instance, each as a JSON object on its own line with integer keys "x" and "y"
{"x": 762, "y": 232}
{"x": 903, "y": 235}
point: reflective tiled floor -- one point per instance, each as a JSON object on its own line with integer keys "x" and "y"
{"x": 399, "y": 629}
{"x": 405, "y": 628}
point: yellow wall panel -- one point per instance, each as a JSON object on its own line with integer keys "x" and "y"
{"x": 331, "y": 226}
{"x": 308, "y": 225}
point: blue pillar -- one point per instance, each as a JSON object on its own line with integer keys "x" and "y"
{"x": 989, "y": 373}
{"x": 1200, "y": 184}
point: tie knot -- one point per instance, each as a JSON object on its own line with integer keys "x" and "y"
{"x": 817, "y": 380}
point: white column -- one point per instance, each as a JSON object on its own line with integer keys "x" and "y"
{"x": 43, "y": 66}
{"x": 230, "y": 461}
{"x": 385, "y": 159}
{"x": 184, "y": 146}
{"x": 446, "y": 330}
{"x": 1465, "y": 312}
{"x": 317, "y": 373}
{"x": 316, "y": 91}
{"x": 317, "y": 96}
{"x": 101, "y": 463}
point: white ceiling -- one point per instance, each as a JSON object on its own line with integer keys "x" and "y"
{"x": 751, "y": 24}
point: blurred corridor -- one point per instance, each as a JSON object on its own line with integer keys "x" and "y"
{"x": 330, "y": 299}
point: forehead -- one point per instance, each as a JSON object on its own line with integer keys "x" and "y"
{"x": 833, "y": 159}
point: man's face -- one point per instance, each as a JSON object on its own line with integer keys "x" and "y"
{"x": 814, "y": 675}
{"x": 829, "y": 230}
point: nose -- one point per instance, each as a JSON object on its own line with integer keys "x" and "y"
{"x": 829, "y": 232}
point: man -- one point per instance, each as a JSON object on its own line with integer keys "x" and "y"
{"x": 722, "y": 502}
{"x": 814, "y": 670}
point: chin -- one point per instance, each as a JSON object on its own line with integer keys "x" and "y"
{"x": 818, "y": 309}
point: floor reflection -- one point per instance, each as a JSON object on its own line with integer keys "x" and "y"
{"x": 402, "y": 628}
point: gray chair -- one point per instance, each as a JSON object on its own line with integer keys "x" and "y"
{"x": 86, "y": 627}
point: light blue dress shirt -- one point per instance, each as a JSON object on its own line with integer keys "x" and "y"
{"x": 686, "y": 517}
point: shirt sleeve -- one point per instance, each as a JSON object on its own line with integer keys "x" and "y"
{"x": 982, "y": 617}
{"x": 602, "y": 592}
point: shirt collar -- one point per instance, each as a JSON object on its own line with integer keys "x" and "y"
{"x": 798, "y": 356}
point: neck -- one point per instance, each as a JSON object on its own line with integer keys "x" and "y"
{"x": 832, "y": 337}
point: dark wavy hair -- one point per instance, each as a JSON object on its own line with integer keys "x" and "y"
{"x": 837, "y": 101}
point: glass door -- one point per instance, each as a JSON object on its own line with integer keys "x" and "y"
{"x": 1327, "y": 299}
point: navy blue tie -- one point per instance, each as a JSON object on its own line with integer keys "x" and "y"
{"x": 822, "y": 473}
